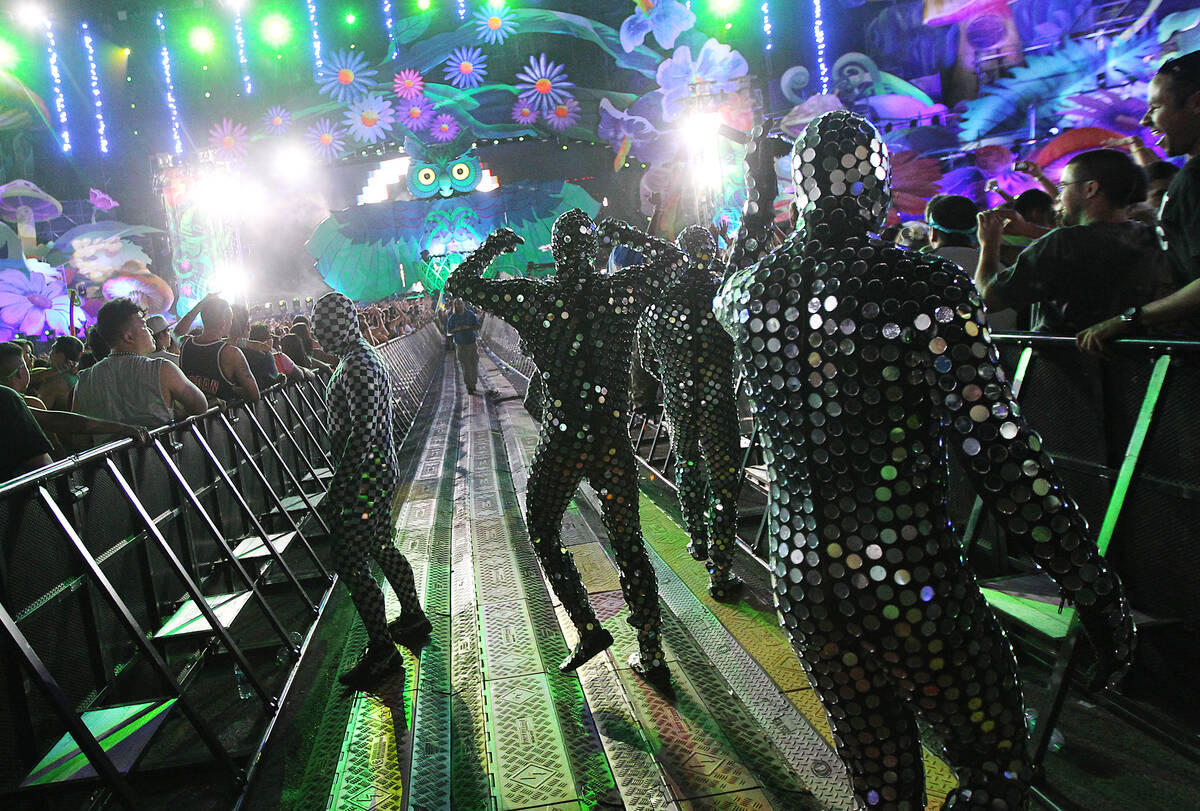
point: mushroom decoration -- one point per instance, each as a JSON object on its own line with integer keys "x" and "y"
{"x": 141, "y": 286}
{"x": 25, "y": 204}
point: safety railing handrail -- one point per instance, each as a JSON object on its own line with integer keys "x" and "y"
{"x": 1036, "y": 339}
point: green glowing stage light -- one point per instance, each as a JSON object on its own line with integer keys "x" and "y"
{"x": 8, "y": 55}
{"x": 423, "y": 5}
{"x": 201, "y": 40}
{"x": 351, "y": 19}
{"x": 724, "y": 7}
{"x": 276, "y": 30}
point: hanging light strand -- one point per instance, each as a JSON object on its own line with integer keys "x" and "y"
{"x": 387, "y": 23}
{"x": 60, "y": 104}
{"x": 239, "y": 37}
{"x": 94, "y": 78}
{"x": 172, "y": 107}
{"x": 315, "y": 30}
{"x": 768, "y": 30}
{"x": 819, "y": 35}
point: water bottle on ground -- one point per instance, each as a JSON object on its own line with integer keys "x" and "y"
{"x": 244, "y": 689}
{"x": 284, "y": 654}
{"x": 1056, "y": 738}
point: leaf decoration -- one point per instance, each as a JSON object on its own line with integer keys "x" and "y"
{"x": 411, "y": 28}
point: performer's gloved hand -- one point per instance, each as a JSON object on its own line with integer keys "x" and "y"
{"x": 611, "y": 230}
{"x": 762, "y": 179}
{"x": 1112, "y": 636}
{"x": 504, "y": 240}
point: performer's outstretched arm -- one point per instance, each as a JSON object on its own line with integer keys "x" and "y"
{"x": 753, "y": 240}
{"x": 995, "y": 443}
{"x": 514, "y": 300}
{"x": 653, "y": 248}
{"x": 665, "y": 264}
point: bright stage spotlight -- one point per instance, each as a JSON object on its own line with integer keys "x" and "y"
{"x": 232, "y": 282}
{"x": 703, "y": 141}
{"x": 423, "y": 5}
{"x": 292, "y": 162}
{"x": 351, "y": 18}
{"x": 30, "y": 15}
{"x": 8, "y": 55}
{"x": 276, "y": 30}
{"x": 201, "y": 40}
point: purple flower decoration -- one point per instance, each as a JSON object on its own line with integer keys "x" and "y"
{"x": 667, "y": 19}
{"x": 31, "y": 304}
{"x": 444, "y": 128}
{"x": 524, "y": 112}
{"x": 716, "y": 65}
{"x": 101, "y": 200}
{"x": 326, "y": 139}
{"x": 230, "y": 139}
{"x": 416, "y": 114}
{"x": 543, "y": 83}
{"x": 408, "y": 84}
{"x": 494, "y": 24}
{"x": 370, "y": 118}
{"x": 625, "y": 133}
{"x": 277, "y": 120}
{"x": 465, "y": 68}
{"x": 564, "y": 115}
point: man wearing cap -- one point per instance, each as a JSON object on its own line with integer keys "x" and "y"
{"x": 164, "y": 340}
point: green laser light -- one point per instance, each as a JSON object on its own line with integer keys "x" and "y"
{"x": 276, "y": 30}
{"x": 201, "y": 40}
{"x": 8, "y": 56}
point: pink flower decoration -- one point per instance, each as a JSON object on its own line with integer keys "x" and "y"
{"x": 408, "y": 84}
{"x": 444, "y": 128}
{"x": 101, "y": 200}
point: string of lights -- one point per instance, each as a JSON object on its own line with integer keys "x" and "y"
{"x": 60, "y": 104}
{"x": 387, "y": 23}
{"x": 768, "y": 31}
{"x": 819, "y": 35}
{"x": 240, "y": 37}
{"x": 94, "y": 78}
{"x": 314, "y": 28}
{"x": 462, "y": 9}
{"x": 172, "y": 107}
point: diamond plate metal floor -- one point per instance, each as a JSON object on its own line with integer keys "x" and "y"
{"x": 483, "y": 720}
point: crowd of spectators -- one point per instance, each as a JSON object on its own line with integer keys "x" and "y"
{"x": 137, "y": 373}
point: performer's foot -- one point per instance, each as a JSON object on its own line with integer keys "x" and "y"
{"x": 376, "y": 664}
{"x": 409, "y": 631}
{"x": 659, "y": 675}
{"x": 698, "y": 551}
{"x": 1112, "y": 637}
{"x": 588, "y": 646}
{"x": 726, "y": 589}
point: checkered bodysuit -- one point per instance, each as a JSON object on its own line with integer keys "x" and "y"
{"x": 358, "y": 506}
{"x": 682, "y": 344}
{"x": 578, "y": 327}
{"x": 865, "y": 364}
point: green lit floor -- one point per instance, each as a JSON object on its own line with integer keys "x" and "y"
{"x": 483, "y": 720}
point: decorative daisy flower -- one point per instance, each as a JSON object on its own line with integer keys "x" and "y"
{"x": 408, "y": 84}
{"x": 444, "y": 128}
{"x": 230, "y": 139}
{"x": 494, "y": 25}
{"x": 416, "y": 114}
{"x": 345, "y": 76}
{"x": 277, "y": 120}
{"x": 370, "y": 118}
{"x": 524, "y": 112}
{"x": 465, "y": 68}
{"x": 543, "y": 83}
{"x": 564, "y": 115}
{"x": 327, "y": 139}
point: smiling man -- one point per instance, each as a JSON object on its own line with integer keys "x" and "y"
{"x": 1174, "y": 116}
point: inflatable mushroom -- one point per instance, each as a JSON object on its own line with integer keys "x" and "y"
{"x": 25, "y": 204}
{"x": 146, "y": 290}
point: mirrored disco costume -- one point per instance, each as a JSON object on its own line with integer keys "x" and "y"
{"x": 682, "y": 344}
{"x": 865, "y": 362}
{"x": 578, "y": 327}
{"x": 358, "y": 506}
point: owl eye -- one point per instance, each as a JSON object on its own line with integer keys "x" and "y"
{"x": 460, "y": 171}
{"x": 426, "y": 176}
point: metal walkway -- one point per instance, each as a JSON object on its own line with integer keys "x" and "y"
{"x": 485, "y": 721}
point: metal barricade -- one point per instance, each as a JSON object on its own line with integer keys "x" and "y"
{"x": 156, "y": 601}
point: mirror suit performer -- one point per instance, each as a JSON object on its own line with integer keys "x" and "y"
{"x": 682, "y": 344}
{"x": 358, "y": 506}
{"x": 865, "y": 362}
{"x": 578, "y": 327}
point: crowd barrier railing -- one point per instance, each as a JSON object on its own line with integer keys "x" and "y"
{"x": 155, "y": 601}
{"x": 1124, "y": 437}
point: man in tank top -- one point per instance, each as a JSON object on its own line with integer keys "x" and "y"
{"x": 216, "y": 366}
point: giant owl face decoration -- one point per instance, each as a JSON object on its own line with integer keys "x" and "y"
{"x": 442, "y": 170}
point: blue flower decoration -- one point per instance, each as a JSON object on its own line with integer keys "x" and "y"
{"x": 370, "y": 118}
{"x": 716, "y": 64}
{"x": 667, "y": 19}
{"x": 543, "y": 84}
{"x": 345, "y": 76}
{"x": 465, "y": 68}
{"x": 494, "y": 25}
